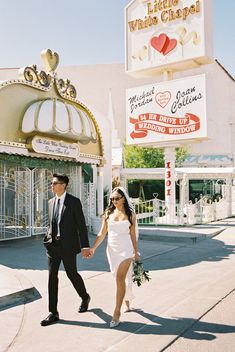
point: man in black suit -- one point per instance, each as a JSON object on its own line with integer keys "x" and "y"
{"x": 66, "y": 237}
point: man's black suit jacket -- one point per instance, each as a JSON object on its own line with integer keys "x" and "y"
{"x": 73, "y": 230}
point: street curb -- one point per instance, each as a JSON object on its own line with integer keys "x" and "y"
{"x": 169, "y": 235}
{"x": 24, "y": 292}
{"x": 20, "y": 297}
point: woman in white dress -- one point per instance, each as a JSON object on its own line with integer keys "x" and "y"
{"x": 119, "y": 221}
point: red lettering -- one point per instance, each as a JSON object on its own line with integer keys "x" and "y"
{"x": 168, "y": 174}
{"x": 168, "y": 192}
{"x": 168, "y": 183}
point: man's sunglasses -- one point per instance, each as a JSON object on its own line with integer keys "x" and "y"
{"x": 115, "y": 198}
{"x": 56, "y": 183}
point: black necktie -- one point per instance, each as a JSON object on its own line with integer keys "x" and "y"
{"x": 56, "y": 218}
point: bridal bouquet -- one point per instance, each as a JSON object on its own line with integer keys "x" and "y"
{"x": 139, "y": 275}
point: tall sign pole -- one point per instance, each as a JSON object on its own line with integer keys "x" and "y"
{"x": 170, "y": 201}
{"x": 169, "y": 159}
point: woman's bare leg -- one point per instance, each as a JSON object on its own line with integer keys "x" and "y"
{"x": 121, "y": 287}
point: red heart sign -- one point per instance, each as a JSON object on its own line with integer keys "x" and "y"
{"x": 170, "y": 46}
{"x": 159, "y": 42}
{"x": 163, "y": 43}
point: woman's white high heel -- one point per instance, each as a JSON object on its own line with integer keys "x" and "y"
{"x": 114, "y": 323}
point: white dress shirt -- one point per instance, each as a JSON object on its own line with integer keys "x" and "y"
{"x": 61, "y": 198}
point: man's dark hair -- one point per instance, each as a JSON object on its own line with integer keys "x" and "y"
{"x": 62, "y": 178}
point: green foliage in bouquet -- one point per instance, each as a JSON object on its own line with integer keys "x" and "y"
{"x": 139, "y": 275}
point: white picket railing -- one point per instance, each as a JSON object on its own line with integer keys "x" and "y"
{"x": 154, "y": 212}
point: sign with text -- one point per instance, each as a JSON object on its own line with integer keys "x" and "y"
{"x": 54, "y": 147}
{"x": 171, "y": 111}
{"x": 165, "y": 34}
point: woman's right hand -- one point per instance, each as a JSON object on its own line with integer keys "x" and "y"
{"x": 92, "y": 252}
{"x": 137, "y": 257}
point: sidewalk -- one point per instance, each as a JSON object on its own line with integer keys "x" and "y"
{"x": 192, "y": 283}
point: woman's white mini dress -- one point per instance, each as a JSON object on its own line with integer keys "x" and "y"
{"x": 120, "y": 248}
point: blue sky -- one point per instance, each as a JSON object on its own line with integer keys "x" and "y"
{"x": 87, "y": 31}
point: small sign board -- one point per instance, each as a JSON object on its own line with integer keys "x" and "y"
{"x": 167, "y": 113}
{"x": 54, "y": 147}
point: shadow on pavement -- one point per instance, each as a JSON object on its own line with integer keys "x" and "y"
{"x": 209, "y": 250}
{"x": 158, "y": 325}
{"x": 30, "y": 254}
{"x": 203, "y": 330}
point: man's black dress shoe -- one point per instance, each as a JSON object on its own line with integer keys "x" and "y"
{"x": 84, "y": 305}
{"x": 52, "y": 318}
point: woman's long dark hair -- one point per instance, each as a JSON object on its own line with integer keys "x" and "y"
{"x": 110, "y": 208}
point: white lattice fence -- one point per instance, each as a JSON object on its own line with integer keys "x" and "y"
{"x": 88, "y": 199}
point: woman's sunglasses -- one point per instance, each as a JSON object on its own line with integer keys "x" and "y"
{"x": 115, "y": 199}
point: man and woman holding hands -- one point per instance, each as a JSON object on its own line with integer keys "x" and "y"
{"x": 67, "y": 236}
